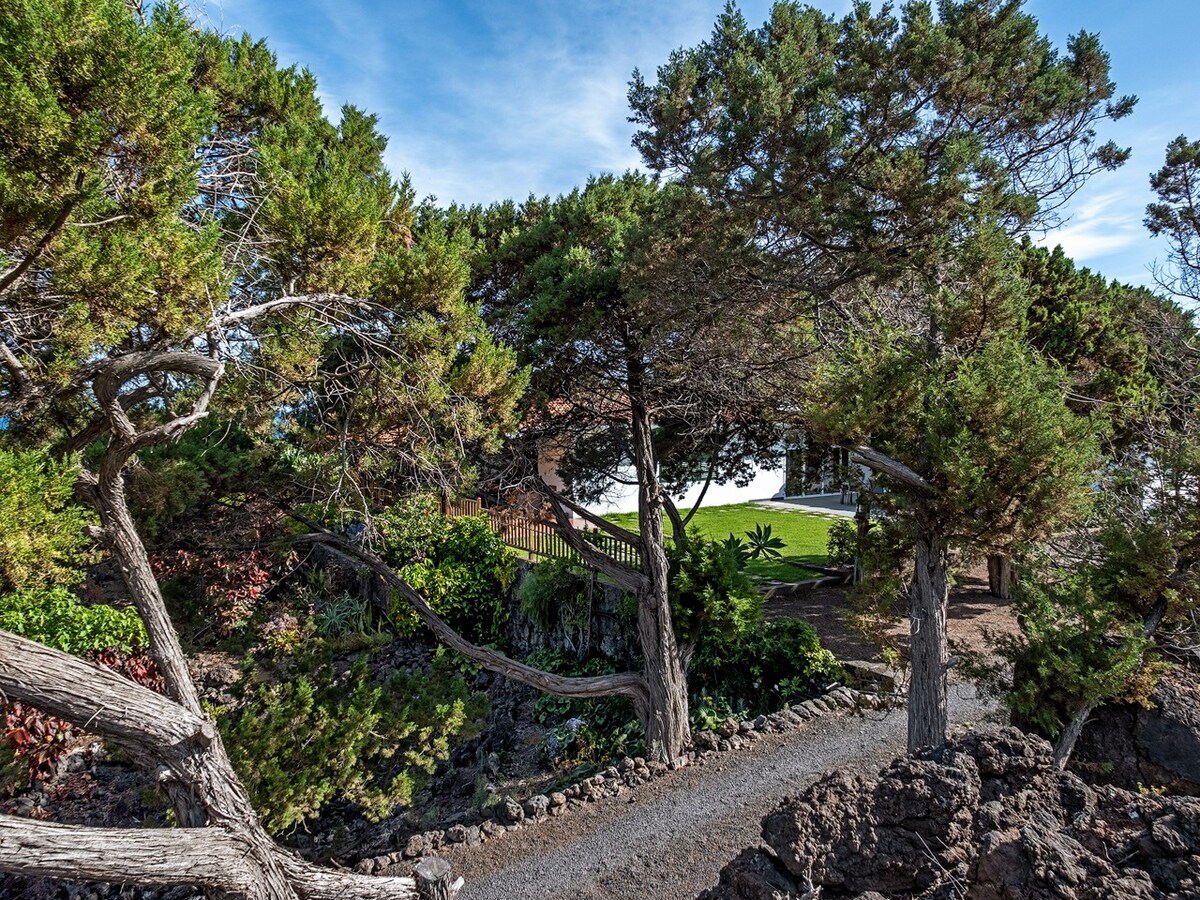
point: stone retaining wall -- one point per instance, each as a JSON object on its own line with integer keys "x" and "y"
{"x": 600, "y": 626}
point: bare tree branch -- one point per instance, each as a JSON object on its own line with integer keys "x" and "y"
{"x": 322, "y": 302}
{"x": 148, "y": 726}
{"x": 678, "y": 523}
{"x": 626, "y": 576}
{"x": 627, "y": 684}
{"x": 587, "y": 515}
{"x": 884, "y": 464}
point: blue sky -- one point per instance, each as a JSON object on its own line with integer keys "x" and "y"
{"x": 483, "y": 100}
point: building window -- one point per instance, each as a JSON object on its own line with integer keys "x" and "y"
{"x": 814, "y": 468}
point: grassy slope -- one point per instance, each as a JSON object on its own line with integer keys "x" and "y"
{"x": 804, "y": 535}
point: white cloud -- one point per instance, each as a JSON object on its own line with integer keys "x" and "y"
{"x": 1101, "y": 226}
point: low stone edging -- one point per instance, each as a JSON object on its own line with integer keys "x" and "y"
{"x": 513, "y": 815}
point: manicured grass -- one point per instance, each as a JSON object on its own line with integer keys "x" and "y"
{"x": 804, "y": 535}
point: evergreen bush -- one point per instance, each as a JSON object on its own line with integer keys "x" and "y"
{"x": 310, "y": 737}
{"x": 464, "y": 574}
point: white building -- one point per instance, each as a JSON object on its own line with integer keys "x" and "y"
{"x": 807, "y": 470}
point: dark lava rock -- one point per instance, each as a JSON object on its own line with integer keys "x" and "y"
{"x": 985, "y": 819}
{"x": 1129, "y": 745}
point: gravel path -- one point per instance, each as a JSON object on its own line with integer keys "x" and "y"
{"x": 672, "y": 838}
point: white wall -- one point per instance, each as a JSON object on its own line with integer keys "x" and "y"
{"x": 765, "y": 485}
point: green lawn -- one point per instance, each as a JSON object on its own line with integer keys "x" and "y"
{"x": 804, "y": 535}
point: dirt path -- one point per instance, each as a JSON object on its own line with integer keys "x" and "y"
{"x": 673, "y": 837}
{"x": 971, "y": 614}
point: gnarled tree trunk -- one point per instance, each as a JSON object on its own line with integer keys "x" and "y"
{"x": 666, "y": 723}
{"x": 223, "y": 848}
{"x": 928, "y": 595}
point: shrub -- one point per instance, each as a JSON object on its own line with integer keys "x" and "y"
{"x": 585, "y": 730}
{"x": 709, "y": 592}
{"x": 757, "y": 671}
{"x": 41, "y": 531}
{"x": 842, "y": 545}
{"x": 283, "y": 633}
{"x": 175, "y": 479}
{"x": 465, "y": 579}
{"x": 311, "y": 737}
{"x": 411, "y": 529}
{"x": 56, "y": 618}
{"x": 14, "y": 772}
{"x": 1070, "y": 652}
{"x": 33, "y": 737}
{"x": 228, "y": 584}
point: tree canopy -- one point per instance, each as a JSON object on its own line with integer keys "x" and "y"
{"x": 172, "y": 190}
{"x": 883, "y": 162}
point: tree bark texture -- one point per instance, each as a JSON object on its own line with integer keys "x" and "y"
{"x": 666, "y": 723}
{"x": 928, "y": 594}
{"x": 1065, "y": 745}
{"x": 433, "y": 879}
{"x": 204, "y": 857}
{"x": 1000, "y": 575}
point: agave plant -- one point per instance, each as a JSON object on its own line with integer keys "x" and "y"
{"x": 738, "y": 548}
{"x": 762, "y": 545}
{"x": 344, "y": 615}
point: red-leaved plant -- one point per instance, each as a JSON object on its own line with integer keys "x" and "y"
{"x": 41, "y": 739}
{"x": 233, "y": 581}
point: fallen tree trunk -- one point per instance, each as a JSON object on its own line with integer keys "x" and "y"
{"x": 222, "y": 846}
{"x": 231, "y": 854}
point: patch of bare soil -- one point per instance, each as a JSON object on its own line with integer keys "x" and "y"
{"x": 973, "y": 615}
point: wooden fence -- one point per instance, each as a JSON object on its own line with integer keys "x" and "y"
{"x": 453, "y": 508}
{"x": 540, "y": 538}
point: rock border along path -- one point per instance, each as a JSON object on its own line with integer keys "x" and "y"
{"x": 669, "y": 837}
{"x": 513, "y": 815}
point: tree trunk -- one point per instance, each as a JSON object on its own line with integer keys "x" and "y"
{"x": 927, "y": 715}
{"x": 433, "y": 879}
{"x": 666, "y": 719}
{"x": 130, "y": 554}
{"x": 862, "y": 526}
{"x": 223, "y": 846}
{"x": 1000, "y": 575}
{"x": 667, "y": 729}
{"x": 1065, "y": 745}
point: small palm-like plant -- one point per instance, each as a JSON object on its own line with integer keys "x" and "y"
{"x": 762, "y": 544}
{"x": 738, "y": 549}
